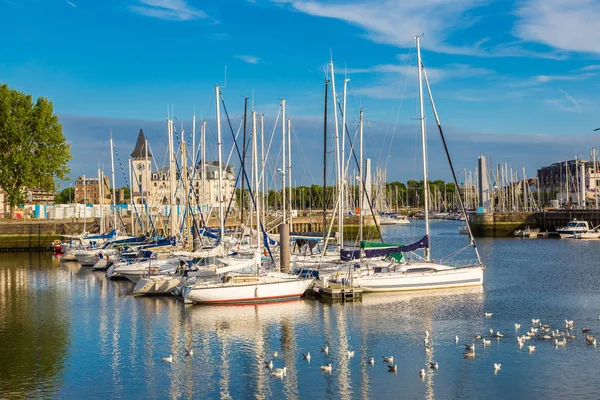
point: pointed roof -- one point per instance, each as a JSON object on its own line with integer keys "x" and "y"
{"x": 140, "y": 147}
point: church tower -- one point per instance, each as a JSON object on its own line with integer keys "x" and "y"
{"x": 141, "y": 172}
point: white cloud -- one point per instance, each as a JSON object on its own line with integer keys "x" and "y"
{"x": 71, "y": 4}
{"x": 567, "y": 25}
{"x": 171, "y": 10}
{"x": 249, "y": 59}
{"x": 568, "y": 103}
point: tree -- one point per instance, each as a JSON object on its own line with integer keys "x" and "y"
{"x": 126, "y": 193}
{"x": 33, "y": 149}
{"x": 66, "y": 196}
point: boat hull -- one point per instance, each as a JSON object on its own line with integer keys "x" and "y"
{"x": 399, "y": 281}
{"x": 259, "y": 292}
{"x": 157, "y": 285}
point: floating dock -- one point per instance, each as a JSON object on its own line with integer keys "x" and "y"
{"x": 342, "y": 293}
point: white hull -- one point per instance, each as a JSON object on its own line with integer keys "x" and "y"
{"x": 88, "y": 258}
{"x": 405, "y": 281}
{"x": 272, "y": 287}
{"x": 157, "y": 284}
{"x": 393, "y": 220}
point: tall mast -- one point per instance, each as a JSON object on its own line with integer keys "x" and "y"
{"x": 221, "y": 217}
{"x": 203, "y": 144}
{"x": 424, "y": 148}
{"x": 289, "y": 168}
{"x": 172, "y": 189}
{"x": 325, "y": 161}
{"x": 343, "y": 156}
{"x": 242, "y": 196}
{"x": 100, "y": 197}
{"x": 283, "y": 148}
{"x": 256, "y": 191}
{"x": 185, "y": 196}
{"x": 360, "y": 180}
{"x": 262, "y": 166}
{"x": 130, "y": 202}
{"x": 85, "y": 201}
{"x": 146, "y": 220}
{"x": 337, "y": 152}
{"x": 114, "y": 191}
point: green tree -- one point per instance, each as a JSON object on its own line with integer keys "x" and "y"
{"x": 65, "y": 196}
{"x": 33, "y": 149}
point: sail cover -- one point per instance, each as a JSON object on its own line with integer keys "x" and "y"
{"x": 382, "y": 249}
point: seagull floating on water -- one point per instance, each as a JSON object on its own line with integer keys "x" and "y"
{"x": 422, "y": 373}
{"x": 306, "y": 356}
{"x": 269, "y": 364}
{"x": 372, "y": 360}
{"x": 497, "y": 367}
{"x": 488, "y": 314}
{"x": 478, "y": 337}
{"x": 560, "y": 343}
{"x": 389, "y": 359}
{"x": 585, "y": 330}
{"x": 456, "y": 339}
{"x": 168, "y": 359}
{"x": 393, "y": 368}
{"x": 275, "y": 354}
{"x": 487, "y": 341}
{"x": 426, "y": 334}
{"x": 325, "y": 350}
{"x": 491, "y": 331}
{"x": 279, "y": 372}
{"x": 326, "y": 368}
{"x": 433, "y": 365}
{"x": 535, "y": 321}
{"x": 499, "y": 335}
{"x": 350, "y": 353}
{"x": 470, "y": 346}
{"x": 189, "y": 353}
{"x": 517, "y": 326}
{"x": 531, "y": 349}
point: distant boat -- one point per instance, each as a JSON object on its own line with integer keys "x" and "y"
{"x": 393, "y": 219}
{"x": 574, "y": 229}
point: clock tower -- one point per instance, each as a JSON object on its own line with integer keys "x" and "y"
{"x": 141, "y": 172}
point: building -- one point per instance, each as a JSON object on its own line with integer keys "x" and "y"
{"x": 153, "y": 186}
{"x": 570, "y": 182}
{"x": 88, "y": 190}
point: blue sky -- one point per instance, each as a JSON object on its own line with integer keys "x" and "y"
{"x": 514, "y": 80}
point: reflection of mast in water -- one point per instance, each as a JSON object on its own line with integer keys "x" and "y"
{"x": 345, "y": 390}
{"x": 429, "y": 358}
{"x": 262, "y": 390}
{"x": 180, "y": 368}
{"x": 223, "y": 334}
{"x": 331, "y": 388}
{"x": 115, "y": 362}
{"x": 364, "y": 364}
{"x": 288, "y": 345}
{"x": 188, "y": 343}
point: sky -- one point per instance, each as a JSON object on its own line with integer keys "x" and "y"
{"x": 517, "y": 81}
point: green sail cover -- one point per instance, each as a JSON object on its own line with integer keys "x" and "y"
{"x": 370, "y": 245}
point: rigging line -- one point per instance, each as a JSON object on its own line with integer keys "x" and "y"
{"x": 301, "y": 154}
{"x": 245, "y": 176}
{"x": 269, "y": 145}
{"x": 460, "y": 200}
{"x": 367, "y": 195}
{"x": 126, "y": 184}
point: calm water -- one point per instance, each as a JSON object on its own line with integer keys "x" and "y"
{"x": 67, "y": 332}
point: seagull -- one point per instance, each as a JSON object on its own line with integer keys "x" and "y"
{"x": 497, "y": 367}
{"x": 478, "y": 337}
{"x": 517, "y": 327}
{"x": 168, "y": 359}
{"x": 326, "y": 368}
{"x": 488, "y": 314}
{"x": 325, "y": 350}
{"x": 422, "y": 373}
{"x": 426, "y": 334}
{"x": 189, "y": 353}
{"x": 389, "y": 360}
{"x": 279, "y": 372}
{"x": 427, "y": 350}
{"x": 269, "y": 364}
{"x": 393, "y": 368}
{"x": 372, "y": 360}
{"x": 469, "y": 354}
{"x": 585, "y": 330}
{"x": 486, "y": 342}
{"x": 470, "y": 346}
{"x": 426, "y": 341}
{"x": 456, "y": 339}
{"x": 535, "y": 321}
{"x": 491, "y": 331}
{"x": 306, "y": 356}
{"x": 499, "y": 335}
{"x": 547, "y": 337}
{"x": 560, "y": 343}
{"x": 433, "y": 365}
{"x": 590, "y": 339}
{"x": 275, "y": 354}
{"x": 531, "y": 349}
{"x": 350, "y": 353}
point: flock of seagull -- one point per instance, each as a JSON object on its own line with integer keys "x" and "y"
{"x": 538, "y": 330}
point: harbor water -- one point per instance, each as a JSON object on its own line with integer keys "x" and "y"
{"x": 68, "y": 332}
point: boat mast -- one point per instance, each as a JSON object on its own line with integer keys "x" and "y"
{"x": 256, "y": 181}
{"x": 130, "y": 202}
{"x": 203, "y": 144}
{"x": 263, "y": 197}
{"x": 325, "y": 162}
{"x": 289, "y": 168}
{"x": 283, "y": 140}
{"x": 337, "y": 152}
{"x": 114, "y": 190}
{"x": 146, "y": 221}
{"x": 424, "y": 148}
{"x": 221, "y": 217}
{"x": 171, "y": 178}
{"x": 102, "y": 228}
{"x": 361, "y": 194}
{"x": 343, "y": 156}
{"x": 85, "y": 202}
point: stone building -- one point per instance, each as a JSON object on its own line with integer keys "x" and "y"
{"x": 565, "y": 180}
{"x": 87, "y": 190}
{"x": 152, "y": 186}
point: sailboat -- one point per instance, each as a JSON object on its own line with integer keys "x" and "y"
{"x": 388, "y": 270}
{"x": 232, "y": 287}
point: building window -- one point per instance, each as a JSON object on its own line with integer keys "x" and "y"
{"x": 154, "y": 184}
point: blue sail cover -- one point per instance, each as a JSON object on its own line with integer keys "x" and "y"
{"x": 348, "y": 255}
{"x": 207, "y": 232}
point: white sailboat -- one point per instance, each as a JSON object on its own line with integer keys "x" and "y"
{"x": 236, "y": 288}
{"x": 388, "y": 274}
